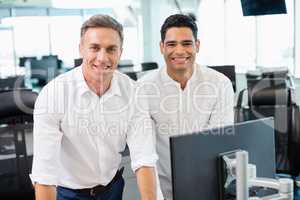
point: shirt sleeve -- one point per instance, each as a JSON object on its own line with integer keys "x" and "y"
{"x": 46, "y": 140}
{"x": 223, "y": 112}
{"x": 140, "y": 135}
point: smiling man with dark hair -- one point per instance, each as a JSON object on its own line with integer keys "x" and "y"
{"x": 184, "y": 97}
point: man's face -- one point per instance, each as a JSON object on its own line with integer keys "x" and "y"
{"x": 101, "y": 50}
{"x": 179, "y": 48}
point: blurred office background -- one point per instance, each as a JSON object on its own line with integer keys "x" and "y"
{"x": 43, "y": 36}
{"x": 36, "y": 28}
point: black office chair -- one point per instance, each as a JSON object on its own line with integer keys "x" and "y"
{"x": 270, "y": 97}
{"x": 149, "y": 66}
{"x": 229, "y": 71}
{"x": 77, "y": 62}
{"x": 125, "y": 64}
{"x": 13, "y": 82}
{"x": 132, "y": 75}
{"x": 16, "y": 117}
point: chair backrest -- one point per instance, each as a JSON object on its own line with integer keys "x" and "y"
{"x": 282, "y": 127}
{"x": 268, "y": 92}
{"x": 77, "y": 62}
{"x": 271, "y": 98}
{"x": 229, "y": 71}
{"x": 149, "y": 66}
{"x": 15, "y": 103}
{"x": 132, "y": 75}
{"x": 125, "y": 63}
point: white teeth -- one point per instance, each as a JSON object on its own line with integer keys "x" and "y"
{"x": 106, "y": 67}
{"x": 179, "y": 59}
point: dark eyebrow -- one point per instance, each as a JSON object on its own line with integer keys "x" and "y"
{"x": 187, "y": 41}
{"x": 93, "y": 44}
{"x": 112, "y": 46}
{"x": 109, "y": 47}
{"x": 171, "y": 42}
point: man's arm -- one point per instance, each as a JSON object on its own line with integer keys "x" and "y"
{"x": 140, "y": 140}
{"x": 45, "y": 192}
{"x": 223, "y": 113}
{"x": 146, "y": 182}
{"x": 46, "y": 145}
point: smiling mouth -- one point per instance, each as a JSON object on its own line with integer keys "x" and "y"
{"x": 107, "y": 67}
{"x": 180, "y": 59}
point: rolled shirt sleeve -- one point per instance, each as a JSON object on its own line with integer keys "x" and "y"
{"x": 140, "y": 135}
{"x": 46, "y": 140}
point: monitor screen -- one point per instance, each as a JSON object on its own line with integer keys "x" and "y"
{"x": 263, "y": 7}
{"x": 44, "y": 70}
{"x": 194, "y": 157}
{"x": 22, "y": 60}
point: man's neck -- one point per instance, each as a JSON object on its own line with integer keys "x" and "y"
{"x": 181, "y": 77}
{"x": 99, "y": 87}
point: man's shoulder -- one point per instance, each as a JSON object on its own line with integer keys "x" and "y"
{"x": 125, "y": 83}
{"x": 59, "y": 82}
{"x": 123, "y": 78}
{"x": 209, "y": 74}
{"x": 151, "y": 76}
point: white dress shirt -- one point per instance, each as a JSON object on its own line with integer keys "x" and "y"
{"x": 78, "y": 136}
{"x": 206, "y": 102}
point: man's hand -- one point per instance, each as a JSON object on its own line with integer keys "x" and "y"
{"x": 45, "y": 192}
{"x": 146, "y": 182}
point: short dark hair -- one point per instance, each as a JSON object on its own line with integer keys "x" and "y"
{"x": 179, "y": 20}
{"x": 104, "y": 21}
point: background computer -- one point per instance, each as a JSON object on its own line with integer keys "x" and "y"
{"x": 44, "y": 70}
{"x": 263, "y": 7}
{"x": 194, "y": 157}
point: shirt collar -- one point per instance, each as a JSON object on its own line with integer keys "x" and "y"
{"x": 83, "y": 88}
{"x": 167, "y": 79}
{"x": 114, "y": 88}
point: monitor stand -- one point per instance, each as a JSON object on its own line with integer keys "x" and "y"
{"x": 237, "y": 180}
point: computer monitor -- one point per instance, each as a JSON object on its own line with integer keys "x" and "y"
{"x": 44, "y": 70}
{"x": 194, "y": 157}
{"x": 263, "y": 7}
{"x": 22, "y": 60}
{"x": 50, "y": 56}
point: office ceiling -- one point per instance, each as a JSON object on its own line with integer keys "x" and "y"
{"x": 25, "y": 3}
{"x": 72, "y": 4}
{"x": 186, "y": 6}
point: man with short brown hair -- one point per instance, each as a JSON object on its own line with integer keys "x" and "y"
{"x": 83, "y": 120}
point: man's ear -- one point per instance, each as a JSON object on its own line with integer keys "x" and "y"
{"x": 121, "y": 51}
{"x": 161, "y": 45}
{"x": 197, "y": 45}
